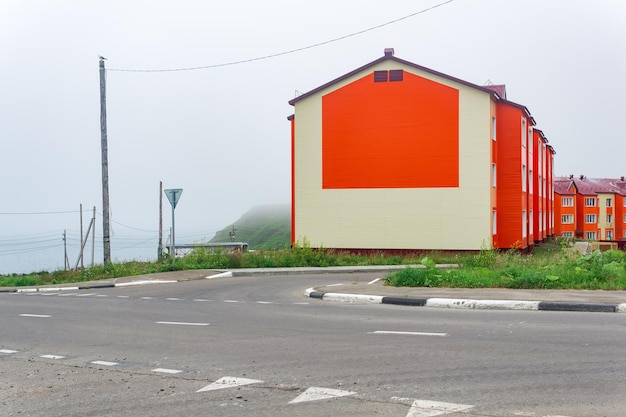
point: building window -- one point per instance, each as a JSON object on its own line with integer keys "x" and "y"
{"x": 523, "y": 132}
{"x": 493, "y": 127}
{"x": 624, "y": 218}
{"x": 494, "y": 222}
{"x": 569, "y": 235}
{"x": 609, "y": 202}
{"x": 590, "y": 201}
{"x": 524, "y": 178}
{"x": 567, "y": 201}
{"x": 609, "y": 218}
{"x": 609, "y": 235}
{"x": 590, "y": 218}
{"x": 531, "y": 224}
{"x": 524, "y": 231}
{"x": 493, "y": 175}
{"x": 567, "y": 219}
{"x": 530, "y": 139}
{"x": 590, "y": 235}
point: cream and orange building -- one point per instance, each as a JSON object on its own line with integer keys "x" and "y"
{"x": 394, "y": 156}
{"x": 590, "y": 208}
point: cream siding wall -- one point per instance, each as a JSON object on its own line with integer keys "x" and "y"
{"x": 424, "y": 218}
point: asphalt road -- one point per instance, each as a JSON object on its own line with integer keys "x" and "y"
{"x": 257, "y": 346}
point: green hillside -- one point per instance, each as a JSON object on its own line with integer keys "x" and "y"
{"x": 262, "y": 227}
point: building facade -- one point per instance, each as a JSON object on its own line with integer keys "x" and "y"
{"x": 591, "y": 208}
{"x": 396, "y": 156}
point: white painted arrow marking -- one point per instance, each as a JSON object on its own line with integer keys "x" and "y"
{"x": 229, "y": 382}
{"x": 424, "y": 408}
{"x": 317, "y": 393}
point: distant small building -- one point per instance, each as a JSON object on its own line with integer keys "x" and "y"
{"x": 590, "y": 208}
{"x": 395, "y": 156}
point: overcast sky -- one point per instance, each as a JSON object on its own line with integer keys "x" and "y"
{"x": 221, "y": 133}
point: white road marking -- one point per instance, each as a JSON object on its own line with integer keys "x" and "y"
{"x": 52, "y": 357}
{"x": 265, "y": 302}
{"x": 374, "y": 281}
{"x": 35, "y": 315}
{"x": 334, "y": 285}
{"x": 424, "y": 408}
{"x": 317, "y": 393}
{"x": 182, "y": 323}
{"x": 101, "y": 295}
{"x": 86, "y": 295}
{"x": 201, "y": 300}
{"x": 8, "y": 351}
{"x": 146, "y": 298}
{"x": 229, "y": 382}
{"x": 167, "y": 371}
{"x": 174, "y": 299}
{"x": 231, "y": 301}
{"x": 68, "y": 294}
{"x": 123, "y": 296}
{"x": 409, "y": 333}
{"x": 104, "y": 363}
{"x": 301, "y": 304}
{"x": 227, "y": 274}
{"x": 128, "y": 284}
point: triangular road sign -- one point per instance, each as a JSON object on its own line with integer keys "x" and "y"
{"x": 173, "y": 194}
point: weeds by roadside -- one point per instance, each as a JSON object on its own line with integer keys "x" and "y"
{"x": 555, "y": 267}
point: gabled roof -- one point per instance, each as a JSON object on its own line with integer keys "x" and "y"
{"x": 389, "y": 56}
{"x": 595, "y": 186}
{"x": 563, "y": 186}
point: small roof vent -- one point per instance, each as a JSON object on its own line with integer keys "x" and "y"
{"x": 389, "y": 52}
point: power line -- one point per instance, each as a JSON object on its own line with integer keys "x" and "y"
{"x": 38, "y": 213}
{"x": 243, "y": 61}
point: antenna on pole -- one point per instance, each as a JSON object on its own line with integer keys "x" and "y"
{"x": 106, "y": 237}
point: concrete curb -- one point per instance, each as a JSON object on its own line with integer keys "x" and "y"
{"x": 470, "y": 304}
{"x": 85, "y": 287}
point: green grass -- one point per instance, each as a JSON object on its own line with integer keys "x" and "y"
{"x": 552, "y": 269}
{"x": 549, "y": 267}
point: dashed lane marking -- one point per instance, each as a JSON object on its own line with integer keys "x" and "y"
{"x": 104, "y": 363}
{"x": 318, "y": 393}
{"x": 174, "y": 299}
{"x": 229, "y": 382}
{"x": 374, "y": 281}
{"x": 52, "y": 357}
{"x": 409, "y": 333}
{"x": 8, "y": 351}
{"x": 35, "y": 315}
{"x": 180, "y": 323}
{"x": 230, "y": 301}
{"x": 167, "y": 371}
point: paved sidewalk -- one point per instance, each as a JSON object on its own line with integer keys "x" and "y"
{"x": 471, "y": 298}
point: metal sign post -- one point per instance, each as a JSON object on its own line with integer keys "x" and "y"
{"x": 173, "y": 195}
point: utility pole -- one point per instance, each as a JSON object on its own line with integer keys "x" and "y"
{"x": 105, "y": 166}
{"x": 82, "y": 266}
{"x": 160, "y": 249}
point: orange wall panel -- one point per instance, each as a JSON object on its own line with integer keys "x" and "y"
{"x": 400, "y": 134}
